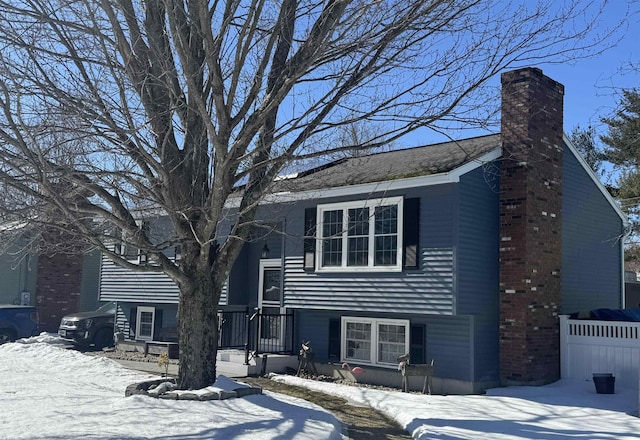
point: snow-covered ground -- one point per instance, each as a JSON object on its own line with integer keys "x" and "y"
{"x": 49, "y": 392}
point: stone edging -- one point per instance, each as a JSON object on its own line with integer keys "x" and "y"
{"x": 165, "y": 389}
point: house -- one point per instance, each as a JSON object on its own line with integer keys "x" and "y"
{"x": 463, "y": 252}
{"x": 56, "y": 284}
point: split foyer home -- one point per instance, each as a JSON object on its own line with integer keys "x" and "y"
{"x": 463, "y": 253}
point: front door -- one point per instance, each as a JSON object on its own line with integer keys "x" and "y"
{"x": 270, "y": 302}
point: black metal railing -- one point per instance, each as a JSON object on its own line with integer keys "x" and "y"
{"x": 254, "y": 331}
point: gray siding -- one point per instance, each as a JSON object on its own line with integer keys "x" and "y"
{"x": 125, "y": 285}
{"x": 428, "y": 290}
{"x": 120, "y": 284}
{"x": 17, "y": 276}
{"x": 477, "y": 266}
{"x": 89, "y": 285}
{"x": 591, "y": 243}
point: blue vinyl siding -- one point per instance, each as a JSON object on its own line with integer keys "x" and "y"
{"x": 428, "y": 290}
{"x": 477, "y": 266}
{"x": 449, "y": 343}
{"x": 591, "y": 240}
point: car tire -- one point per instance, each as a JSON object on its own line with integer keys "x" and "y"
{"x": 103, "y": 338}
{"x": 7, "y": 336}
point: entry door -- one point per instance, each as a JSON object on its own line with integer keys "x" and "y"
{"x": 270, "y": 301}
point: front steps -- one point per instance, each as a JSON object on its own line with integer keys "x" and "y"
{"x": 232, "y": 363}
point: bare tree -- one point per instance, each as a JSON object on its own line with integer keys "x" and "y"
{"x": 113, "y": 110}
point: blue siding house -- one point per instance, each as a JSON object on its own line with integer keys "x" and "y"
{"x": 461, "y": 252}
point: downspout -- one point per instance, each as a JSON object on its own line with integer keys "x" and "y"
{"x": 628, "y": 230}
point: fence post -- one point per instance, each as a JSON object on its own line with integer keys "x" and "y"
{"x": 564, "y": 347}
{"x": 247, "y": 324}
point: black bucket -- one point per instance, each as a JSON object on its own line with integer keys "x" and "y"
{"x": 605, "y": 383}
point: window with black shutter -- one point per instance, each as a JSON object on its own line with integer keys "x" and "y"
{"x": 310, "y": 239}
{"x": 133, "y": 315}
{"x": 418, "y": 344}
{"x": 411, "y": 226}
{"x": 334, "y": 340}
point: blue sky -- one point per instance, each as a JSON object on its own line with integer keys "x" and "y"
{"x": 592, "y": 85}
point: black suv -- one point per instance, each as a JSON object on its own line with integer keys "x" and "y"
{"x": 90, "y": 328}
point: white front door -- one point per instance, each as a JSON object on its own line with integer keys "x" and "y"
{"x": 270, "y": 302}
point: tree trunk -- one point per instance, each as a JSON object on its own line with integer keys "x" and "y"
{"x": 198, "y": 330}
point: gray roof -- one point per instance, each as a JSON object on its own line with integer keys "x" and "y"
{"x": 392, "y": 165}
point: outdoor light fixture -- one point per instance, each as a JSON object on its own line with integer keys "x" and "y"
{"x": 265, "y": 251}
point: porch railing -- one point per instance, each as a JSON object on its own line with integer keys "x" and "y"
{"x": 256, "y": 332}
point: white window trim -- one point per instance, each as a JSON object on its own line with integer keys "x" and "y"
{"x": 369, "y": 203}
{"x": 375, "y": 323}
{"x": 139, "y": 312}
{"x": 272, "y": 263}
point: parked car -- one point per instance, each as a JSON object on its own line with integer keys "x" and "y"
{"x": 17, "y": 322}
{"x": 93, "y": 328}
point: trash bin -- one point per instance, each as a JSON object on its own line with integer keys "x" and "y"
{"x": 604, "y": 382}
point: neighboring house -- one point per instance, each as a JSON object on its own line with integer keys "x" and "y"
{"x": 631, "y": 286}
{"x": 57, "y": 285}
{"x": 462, "y": 252}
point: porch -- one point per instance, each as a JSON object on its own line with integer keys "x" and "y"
{"x": 253, "y": 341}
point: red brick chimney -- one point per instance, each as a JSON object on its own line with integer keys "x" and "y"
{"x": 57, "y": 288}
{"x": 530, "y": 227}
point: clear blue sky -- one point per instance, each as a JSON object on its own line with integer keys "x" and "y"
{"x": 592, "y": 85}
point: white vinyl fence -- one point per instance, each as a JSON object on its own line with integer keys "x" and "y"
{"x": 589, "y": 347}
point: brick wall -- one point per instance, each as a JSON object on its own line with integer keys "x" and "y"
{"x": 530, "y": 227}
{"x": 58, "y": 288}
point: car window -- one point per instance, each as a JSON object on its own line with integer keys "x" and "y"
{"x": 109, "y": 307}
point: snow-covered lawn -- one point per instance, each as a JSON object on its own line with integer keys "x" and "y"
{"x": 53, "y": 393}
{"x": 49, "y": 392}
{"x": 563, "y": 410}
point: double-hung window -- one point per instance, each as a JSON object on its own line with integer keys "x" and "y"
{"x": 374, "y": 341}
{"x": 145, "y": 322}
{"x": 362, "y": 235}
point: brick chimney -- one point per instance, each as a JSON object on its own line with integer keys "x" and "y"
{"x": 530, "y": 227}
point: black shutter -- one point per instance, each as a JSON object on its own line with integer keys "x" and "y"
{"x": 334, "y": 340}
{"x": 418, "y": 344}
{"x": 133, "y": 315}
{"x": 411, "y": 231}
{"x": 157, "y": 324}
{"x": 310, "y": 239}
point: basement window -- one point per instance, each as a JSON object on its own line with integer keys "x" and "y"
{"x": 145, "y": 322}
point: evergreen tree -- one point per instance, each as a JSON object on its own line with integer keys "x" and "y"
{"x": 623, "y": 148}
{"x": 584, "y": 139}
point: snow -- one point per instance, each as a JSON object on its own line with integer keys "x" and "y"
{"x": 47, "y": 391}
{"x": 562, "y": 410}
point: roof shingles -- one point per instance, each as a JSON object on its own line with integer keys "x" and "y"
{"x": 393, "y": 165}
